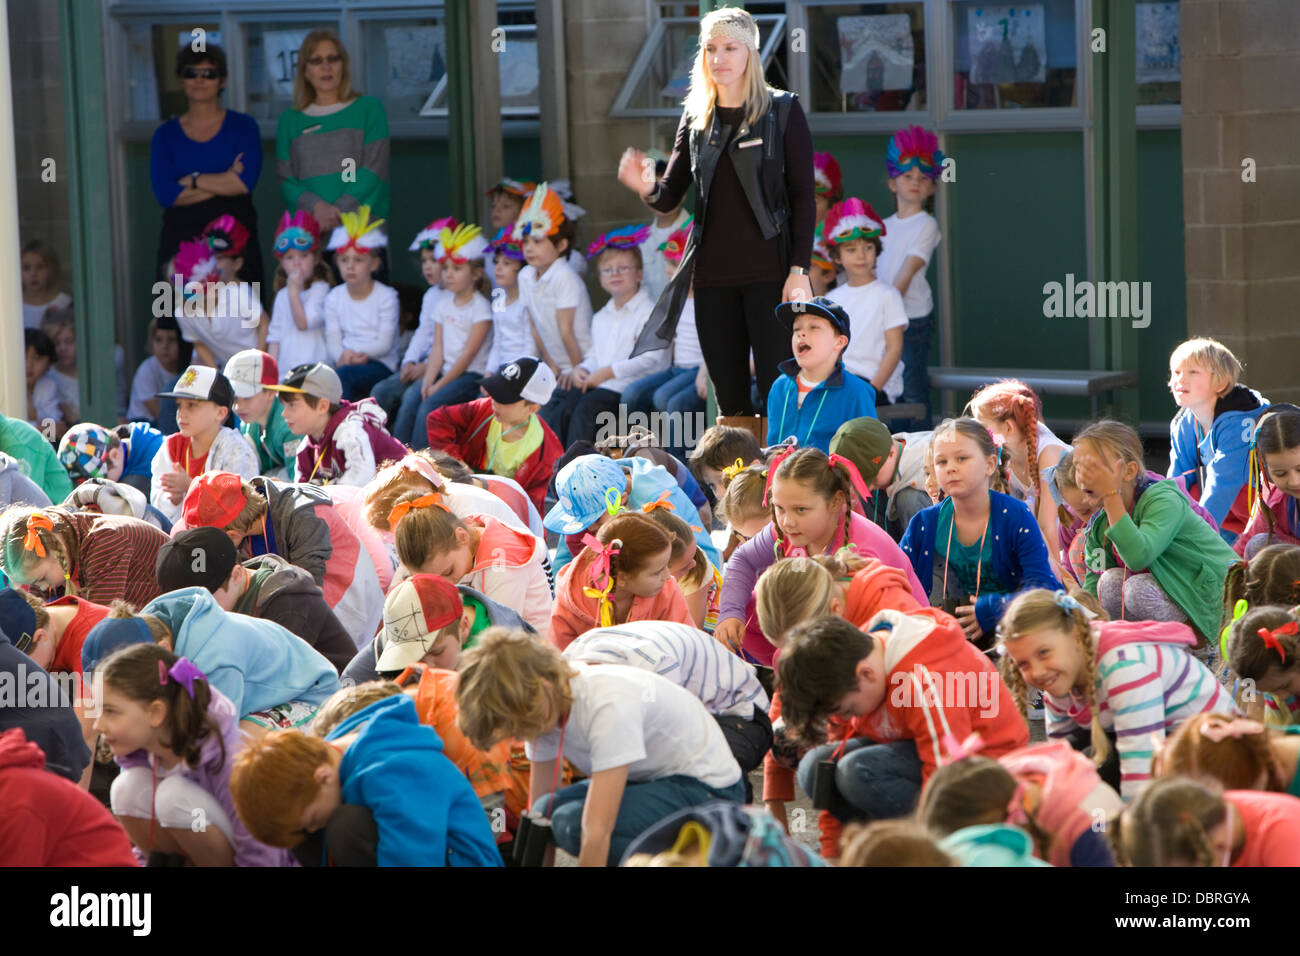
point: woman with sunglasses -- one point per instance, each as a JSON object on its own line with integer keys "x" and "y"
{"x": 205, "y": 162}
{"x": 332, "y": 128}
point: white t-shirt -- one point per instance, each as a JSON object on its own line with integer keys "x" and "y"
{"x": 457, "y": 322}
{"x": 232, "y": 326}
{"x": 150, "y": 379}
{"x": 685, "y": 655}
{"x": 654, "y": 267}
{"x": 32, "y": 314}
{"x": 299, "y": 346}
{"x": 686, "y": 343}
{"x": 421, "y": 343}
{"x": 69, "y": 390}
{"x": 626, "y": 717}
{"x": 613, "y": 333}
{"x": 512, "y": 336}
{"x": 559, "y": 288}
{"x": 918, "y": 236}
{"x": 45, "y": 396}
{"x": 368, "y": 325}
{"x": 873, "y": 309}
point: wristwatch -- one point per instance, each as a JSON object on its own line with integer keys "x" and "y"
{"x": 798, "y": 271}
{"x": 194, "y": 180}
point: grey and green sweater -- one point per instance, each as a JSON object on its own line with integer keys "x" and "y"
{"x": 310, "y": 150}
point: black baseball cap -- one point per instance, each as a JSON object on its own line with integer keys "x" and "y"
{"x": 197, "y": 557}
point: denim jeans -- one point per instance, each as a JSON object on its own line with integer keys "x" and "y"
{"x": 916, "y": 377}
{"x": 880, "y": 781}
{"x": 671, "y": 391}
{"x": 413, "y": 414}
{"x": 388, "y": 394}
{"x": 358, "y": 380}
{"x": 643, "y": 805}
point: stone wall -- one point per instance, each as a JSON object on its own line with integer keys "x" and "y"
{"x": 1241, "y": 101}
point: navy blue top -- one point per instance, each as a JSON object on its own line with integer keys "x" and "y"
{"x": 173, "y": 154}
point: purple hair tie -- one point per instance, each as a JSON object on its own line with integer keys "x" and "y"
{"x": 183, "y": 672}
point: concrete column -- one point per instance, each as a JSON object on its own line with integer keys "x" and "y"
{"x": 1241, "y": 182}
{"x": 473, "y": 104}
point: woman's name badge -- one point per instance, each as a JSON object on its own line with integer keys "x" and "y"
{"x": 313, "y": 129}
{"x": 750, "y": 142}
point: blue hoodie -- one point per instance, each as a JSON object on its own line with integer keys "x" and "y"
{"x": 426, "y": 811}
{"x": 1221, "y": 456}
{"x": 994, "y": 844}
{"x": 841, "y": 398}
{"x": 256, "y": 663}
{"x": 142, "y": 443}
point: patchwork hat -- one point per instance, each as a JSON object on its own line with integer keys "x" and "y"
{"x": 204, "y": 384}
{"x": 83, "y": 451}
{"x": 250, "y": 371}
{"x": 414, "y": 612}
{"x": 585, "y": 488}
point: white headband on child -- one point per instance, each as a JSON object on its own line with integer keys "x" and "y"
{"x": 729, "y": 26}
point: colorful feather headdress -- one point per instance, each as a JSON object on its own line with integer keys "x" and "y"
{"x": 572, "y": 211}
{"x": 914, "y": 146}
{"x": 462, "y": 244}
{"x": 541, "y": 216}
{"x": 507, "y": 245}
{"x": 359, "y": 233}
{"x": 826, "y": 174}
{"x": 196, "y": 262}
{"x": 515, "y": 187}
{"x": 851, "y": 219}
{"x": 226, "y": 235}
{"x": 427, "y": 238}
{"x": 625, "y": 237}
{"x": 301, "y": 232}
{"x": 674, "y": 247}
{"x": 820, "y": 256}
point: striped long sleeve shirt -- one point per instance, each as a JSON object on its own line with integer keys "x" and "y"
{"x": 1143, "y": 692}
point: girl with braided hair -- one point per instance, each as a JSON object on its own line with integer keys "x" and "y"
{"x": 1272, "y": 576}
{"x": 1013, "y": 413}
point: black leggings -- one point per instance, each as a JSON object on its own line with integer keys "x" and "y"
{"x": 731, "y": 320}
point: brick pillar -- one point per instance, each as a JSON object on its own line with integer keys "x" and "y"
{"x": 1241, "y": 74}
{"x": 602, "y": 38}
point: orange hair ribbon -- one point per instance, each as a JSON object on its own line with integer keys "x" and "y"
{"x": 37, "y": 521}
{"x": 660, "y": 502}
{"x": 432, "y": 500}
{"x": 1270, "y": 637}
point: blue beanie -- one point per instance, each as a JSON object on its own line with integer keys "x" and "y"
{"x": 111, "y": 634}
{"x": 17, "y": 619}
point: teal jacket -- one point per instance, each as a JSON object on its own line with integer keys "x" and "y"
{"x": 993, "y": 844}
{"x": 277, "y": 447}
{"x": 1163, "y": 535}
{"x": 841, "y": 398}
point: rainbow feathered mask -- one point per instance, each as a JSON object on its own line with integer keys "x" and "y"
{"x": 359, "y": 233}
{"x": 462, "y": 244}
{"x": 914, "y": 146}
{"x": 427, "y": 238}
{"x": 542, "y": 215}
{"x": 625, "y": 237}
{"x": 851, "y": 219}
{"x": 301, "y": 232}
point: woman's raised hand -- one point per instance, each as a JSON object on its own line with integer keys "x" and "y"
{"x": 636, "y": 171}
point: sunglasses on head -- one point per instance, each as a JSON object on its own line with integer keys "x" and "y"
{"x": 201, "y": 73}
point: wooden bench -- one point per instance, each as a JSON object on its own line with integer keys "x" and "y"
{"x": 1080, "y": 382}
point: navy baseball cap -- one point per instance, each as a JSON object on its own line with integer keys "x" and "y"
{"x": 821, "y": 307}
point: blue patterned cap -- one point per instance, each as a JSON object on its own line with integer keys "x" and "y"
{"x": 583, "y": 486}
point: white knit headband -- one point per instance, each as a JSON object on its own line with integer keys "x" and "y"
{"x": 733, "y": 28}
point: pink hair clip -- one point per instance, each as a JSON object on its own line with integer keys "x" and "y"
{"x": 959, "y": 750}
{"x": 1217, "y": 729}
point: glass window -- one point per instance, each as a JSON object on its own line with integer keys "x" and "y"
{"x": 155, "y": 91}
{"x": 867, "y": 57}
{"x": 1017, "y": 56}
{"x": 405, "y": 61}
{"x": 272, "y": 58}
{"x": 1159, "y": 56}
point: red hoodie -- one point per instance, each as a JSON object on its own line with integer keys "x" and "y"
{"x": 461, "y": 431}
{"x": 49, "y": 821}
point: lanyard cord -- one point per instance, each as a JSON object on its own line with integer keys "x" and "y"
{"x": 979, "y": 557}
{"x": 493, "y": 460}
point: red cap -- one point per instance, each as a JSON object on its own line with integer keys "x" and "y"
{"x": 214, "y": 499}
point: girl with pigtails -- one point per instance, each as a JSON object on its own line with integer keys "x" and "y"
{"x": 978, "y": 546}
{"x": 812, "y": 499}
{"x": 101, "y": 558}
{"x": 1013, "y": 414}
{"x": 1126, "y": 684}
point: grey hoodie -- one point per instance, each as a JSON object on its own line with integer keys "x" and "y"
{"x": 288, "y": 595}
{"x": 362, "y": 668}
{"x": 16, "y": 488}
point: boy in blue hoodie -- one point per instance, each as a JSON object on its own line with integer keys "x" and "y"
{"x": 289, "y": 784}
{"x": 1211, "y": 436}
{"x": 815, "y": 394}
{"x": 259, "y": 665}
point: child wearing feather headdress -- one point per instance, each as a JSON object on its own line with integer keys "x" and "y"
{"x": 360, "y": 314}
{"x": 219, "y": 316}
{"x": 594, "y": 387}
{"x": 302, "y": 280}
{"x": 556, "y": 298}
{"x": 827, "y": 182}
{"x": 914, "y": 162}
{"x": 853, "y": 232}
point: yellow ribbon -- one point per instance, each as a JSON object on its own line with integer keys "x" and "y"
{"x": 731, "y": 471}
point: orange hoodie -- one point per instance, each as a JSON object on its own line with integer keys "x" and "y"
{"x": 576, "y": 613}
{"x": 873, "y": 588}
{"x": 503, "y": 769}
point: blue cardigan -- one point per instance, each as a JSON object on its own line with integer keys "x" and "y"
{"x": 1019, "y": 554}
{"x": 172, "y": 154}
{"x": 843, "y": 396}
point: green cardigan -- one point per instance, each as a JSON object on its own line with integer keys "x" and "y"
{"x": 310, "y": 150}
{"x": 1164, "y": 536}
{"x": 36, "y": 457}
